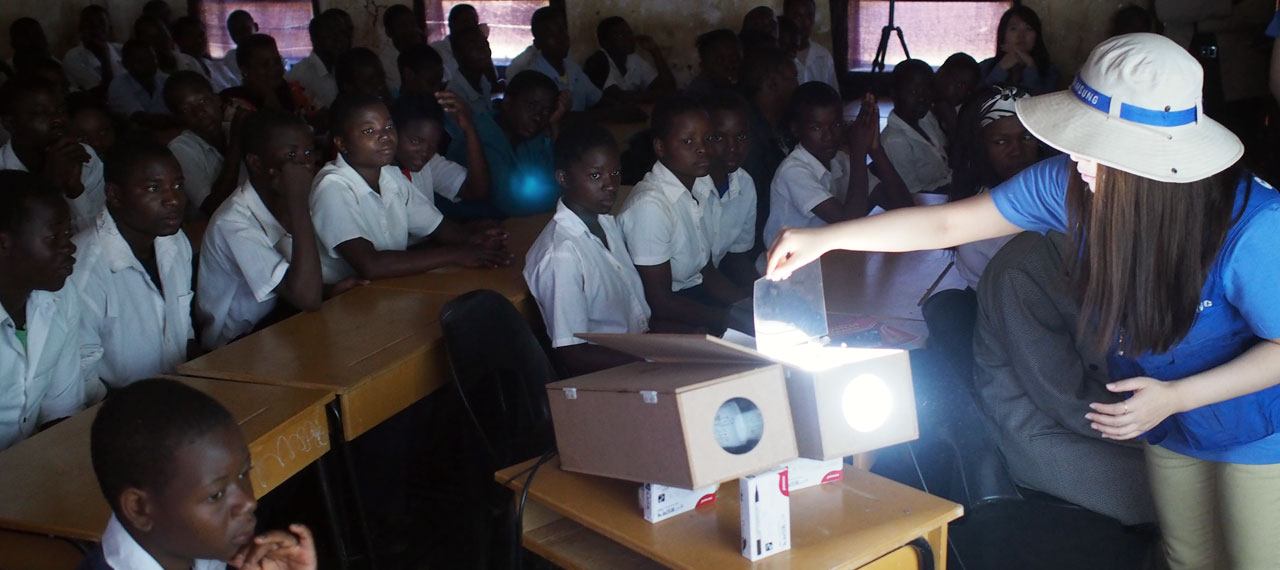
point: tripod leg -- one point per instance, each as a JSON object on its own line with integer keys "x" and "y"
{"x": 902, "y": 41}
{"x": 882, "y": 49}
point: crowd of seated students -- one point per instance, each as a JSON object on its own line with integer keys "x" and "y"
{"x": 352, "y": 165}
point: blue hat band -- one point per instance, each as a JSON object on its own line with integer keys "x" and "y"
{"x": 1133, "y": 113}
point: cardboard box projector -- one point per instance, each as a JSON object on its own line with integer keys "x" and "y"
{"x": 698, "y": 414}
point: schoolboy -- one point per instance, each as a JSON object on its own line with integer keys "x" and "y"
{"x": 329, "y": 39}
{"x": 366, "y": 213}
{"x": 134, "y": 270}
{"x": 549, "y": 55}
{"x": 191, "y": 39}
{"x": 578, "y": 269}
{"x": 473, "y": 63}
{"x": 240, "y": 25}
{"x": 421, "y": 73}
{"x": 665, "y": 218}
{"x": 39, "y": 314}
{"x": 264, "y": 83}
{"x": 169, "y": 59}
{"x": 733, "y": 228}
{"x": 813, "y": 61}
{"x": 768, "y": 81}
{"x": 517, "y": 145}
{"x": 957, "y": 80}
{"x": 404, "y": 29}
{"x": 913, "y": 139}
{"x": 462, "y": 17}
{"x": 139, "y": 94}
{"x": 259, "y": 259}
{"x": 173, "y": 465}
{"x": 40, "y": 141}
{"x": 359, "y": 72}
{"x": 617, "y": 66}
{"x": 91, "y": 123}
{"x": 96, "y": 59}
{"x": 760, "y": 19}
{"x": 719, "y": 59}
{"x": 420, "y": 128}
{"x": 210, "y": 160}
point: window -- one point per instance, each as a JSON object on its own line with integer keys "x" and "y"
{"x": 284, "y": 20}
{"x": 933, "y": 30}
{"x": 508, "y": 22}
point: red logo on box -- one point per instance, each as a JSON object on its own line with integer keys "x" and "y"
{"x": 784, "y": 483}
{"x": 833, "y": 476}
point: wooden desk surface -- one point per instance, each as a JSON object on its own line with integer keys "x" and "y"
{"x": 838, "y": 525}
{"x": 378, "y": 349}
{"x": 47, "y": 485}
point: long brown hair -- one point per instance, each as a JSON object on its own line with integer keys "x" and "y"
{"x": 1142, "y": 250}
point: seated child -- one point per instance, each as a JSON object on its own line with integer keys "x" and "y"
{"x": 134, "y": 270}
{"x": 719, "y": 58}
{"x": 913, "y": 138}
{"x": 367, "y": 215}
{"x": 813, "y": 61}
{"x": 472, "y": 67}
{"x": 768, "y": 82}
{"x": 264, "y": 84}
{"x": 155, "y": 33}
{"x": 665, "y": 223}
{"x": 818, "y": 184}
{"x": 420, "y": 128}
{"x": 957, "y": 79}
{"x": 405, "y": 30}
{"x": 93, "y": 62}
{"x": 733, "y": 235}
{"x": 173, "y": 465}
{"x": 240, "y": 25}
{"x": 28, "y": 41}
{"x": 190, "y": 38}
{"x": 91, "y": 123}
{"x": 549, "y": 55}
{"x": 517, "y": 145}
{"x": 578, "y": 269}
{"x": 760, "y": 19}
{"x": 40, "y": 377}
{"x": 330, "y": 38}
{"x": 139, "y": 94}
{"x": 207, "y": 178}
{"x": 40, "y": 141}
{"x": 617, "y": 66}
{"x": 359, "y": 72}
{"x": 259, "y": 253}
{"x": 421, "y": 72}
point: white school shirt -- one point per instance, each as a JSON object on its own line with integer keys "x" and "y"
{"x": 219, "y": 74}
{"x": 663, "y": 222}
{"x": 921, "y": 163}
{"x": 799, "y": 185}
{"x": 734, "y": 230}
{"x": 42, "y": 382}
{"x": 121, "y": 551}
{"x": 125, "y": 96}
{"x": 522, "y": 62}
{"x": 478, "y": 101}
{"x": 585, "y": 93}
{"x": 201, "y": 164}
{"x": 390, "y": 59}
{"x": 229, "y": 61}
{"x": 640, "y": 73}
{"x": 139, "y": 331}
{"x": 581, "y": 285}
{"x": 450, "y": 63}
{"x": 316, "y": 80}
{"x": 243, "y": 258}
{"x": 85, "y": 70}
{"x": 344, "y": 207}
{"x": 439, "y": 176}
{"x": 85, "y": 207}
{"x": 817, "y": 65}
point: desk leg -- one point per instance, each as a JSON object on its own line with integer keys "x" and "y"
{"x": 938, "y": 541}
{"x": 332, "y": 511}
{"x": 343, "y": 453}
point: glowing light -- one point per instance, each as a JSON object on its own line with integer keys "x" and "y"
{"x": 867, "y": 403}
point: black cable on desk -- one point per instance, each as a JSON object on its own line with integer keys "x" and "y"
{"x": 524, "y": 495}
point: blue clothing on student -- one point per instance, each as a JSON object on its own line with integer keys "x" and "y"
{"x": 523, "y": 177}
{"x": 1273, "y": 30}
{"x": 1237, "y": 311}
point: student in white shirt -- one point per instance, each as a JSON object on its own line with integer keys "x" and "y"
{"x": 207, "y": 178}
{"x": 463, "y": 17}
{"x": 360, "y": 72}
{"x": 470, "y": 76}
{"x": 367, "y": 214}
{"x": 818, "y": 184}
{"x": 618, "y": 66}
{"x": 550, "y": 57}
{"x": 40, "y": 141}
{"x": 813, "y": 62}
{"x": 40, "y": 378}
{"x": 169, "y": 59}
{"x": 134, "y": 269}
{"x": 191, "y": 40}
{"x": 420, "y": 126}
{"x": 913, "y": 138}
{"x": 403, "y": 29}
{"x": 240, "y": 25}
{"x": 329, "y": 39}
{"x": 733, "y": 232}
{"x": 173, "y": 466}
{"x": 139, "y": 94}
{"x": 84, "y": 61}
{"x": 578, "y": 269}
{"x": 259, "y": 260}
{"x": 665, "y": 219}
{"x": 421, "y": 73}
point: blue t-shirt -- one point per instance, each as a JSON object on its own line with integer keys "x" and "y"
{"x": 523, "y": 177}
{"x": 1273, "y": 31}
{"x": 1236, "y": 311}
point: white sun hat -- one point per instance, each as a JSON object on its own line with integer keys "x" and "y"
{"x": 1136, "y": 106}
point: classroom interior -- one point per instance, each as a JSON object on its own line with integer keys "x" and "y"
{"x": 309, "y": 389}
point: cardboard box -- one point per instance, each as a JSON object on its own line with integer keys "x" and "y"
{"x": 661, "y": 502}
{"x": 802, "y": 473}
{"x": 698, "y": 414}
{"x": 766, "y": 513}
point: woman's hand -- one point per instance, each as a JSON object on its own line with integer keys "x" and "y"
{"x": 1152, "y": 401}
{"x": 794, "y": 249}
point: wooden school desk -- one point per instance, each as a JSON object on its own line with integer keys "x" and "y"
{"x": 50, "y": 496}
{"x": 584, "y": 521}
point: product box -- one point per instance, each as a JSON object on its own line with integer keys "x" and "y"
{"x": 697, "y": 414}
{"x": 766, "y": 513}
{"x": 803, "y": 472}
{"x": 660, "y": 502}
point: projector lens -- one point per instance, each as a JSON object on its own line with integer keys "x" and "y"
{"x": 738, "y": 426}
{"x": 867, "y": 403}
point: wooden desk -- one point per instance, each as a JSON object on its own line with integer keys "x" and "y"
{"x": 48, "y": 490}
{"x": 583, "y": 521}
{"x": 378, "y": 349}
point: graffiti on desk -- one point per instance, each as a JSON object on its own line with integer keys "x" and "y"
{"x": 308, "y": 440}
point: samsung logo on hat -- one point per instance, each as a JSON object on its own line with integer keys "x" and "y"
{"x": 1086, "y": 94}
